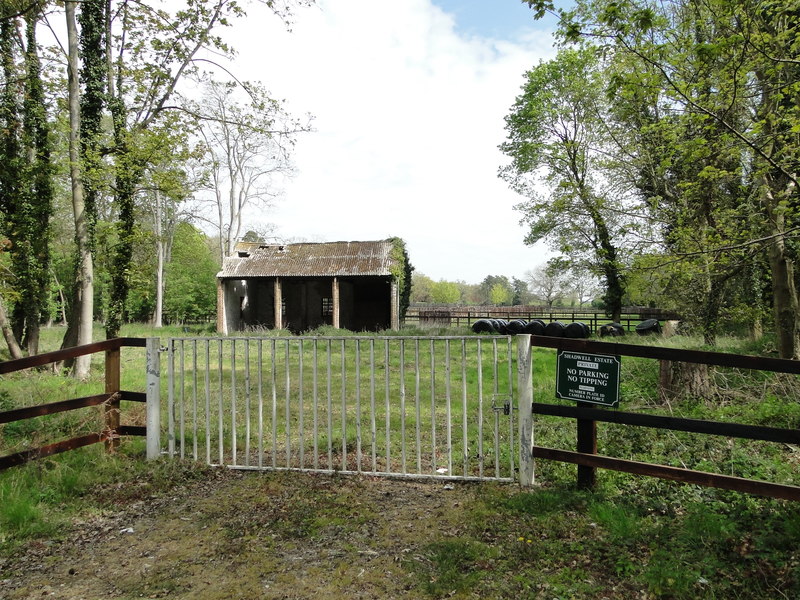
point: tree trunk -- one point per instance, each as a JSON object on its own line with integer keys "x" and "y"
{"x": 784, "y": 290}
{"x": 13, "y": 346}
{"x": 79, "y": 330}
{"x": 784, "y": 296}
{"x": 159, "y": 310}
{"x": 681, "y": 380}
{"x": 158, "y": 215}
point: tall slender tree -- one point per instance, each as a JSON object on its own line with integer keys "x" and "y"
{"x": 26, "y": 174}
{"x": 557, "y": 135}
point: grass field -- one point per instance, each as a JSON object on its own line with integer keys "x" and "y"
{"x": 632, "y": 536}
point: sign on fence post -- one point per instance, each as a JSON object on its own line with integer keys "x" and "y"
{"x": 592, "y": 378}
{"x": 588, "y": 379}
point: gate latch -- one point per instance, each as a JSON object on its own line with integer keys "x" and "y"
{"x": 506, "y": 407}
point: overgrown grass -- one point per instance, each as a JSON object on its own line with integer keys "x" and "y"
{"x": 557, "y": 542}
{"x": 631, "y": 536}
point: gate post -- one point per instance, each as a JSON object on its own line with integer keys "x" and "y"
{"x": 153, "y": 392}
{"x": 525, "y": 407}
{"x": 112, "y": 407}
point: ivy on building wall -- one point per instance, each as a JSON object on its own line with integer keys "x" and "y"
{"x": 401, "y": 270}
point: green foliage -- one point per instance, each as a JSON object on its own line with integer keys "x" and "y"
{"x": 445, "y": 292}
{"x": 704, "y": 109}
{"x": 402, "y": 271}
{"x": 558, "y": 136}
{"x": 500, "y": 294}
{"x": 191, "y": 292}
{"x": 26, "y": 187}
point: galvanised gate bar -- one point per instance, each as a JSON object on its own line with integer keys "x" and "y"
{"x": 400, "y": 406}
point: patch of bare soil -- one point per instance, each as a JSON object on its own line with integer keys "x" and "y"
{"x": 235, "y": 535}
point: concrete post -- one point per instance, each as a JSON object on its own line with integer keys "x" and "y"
{"x": 278, "y": 296}
{"x": 525, "y": 409}
{"x": 335, "y": 293}
{"x": 153, "y": 392}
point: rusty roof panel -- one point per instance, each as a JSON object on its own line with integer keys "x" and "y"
{"x": 308, "y": 260}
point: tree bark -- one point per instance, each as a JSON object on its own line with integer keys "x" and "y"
{"x": 11, "y": 340}
{"x": 79, "y": 330}
{"x": 681, "y": 380}
{"x": 159, "y": 215}
{"x": 784, "y": 290}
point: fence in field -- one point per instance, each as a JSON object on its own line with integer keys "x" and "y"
{"x": 110, "y": 400}
{"x": 401, "y": 406}
{"x": 458, "y": 316}
{"x": 450, "y": 407}
{"x": 587, "y": 416}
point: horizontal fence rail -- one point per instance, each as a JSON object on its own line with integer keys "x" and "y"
{"x": 110, "y": 400}
{"x": 400, "y": 406}
{"x": 587, "y": 416}
{"x": 453, "y": 316}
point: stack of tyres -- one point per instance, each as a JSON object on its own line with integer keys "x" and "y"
{"x": 491, "y": 326}
{"x": 500, "y": 326}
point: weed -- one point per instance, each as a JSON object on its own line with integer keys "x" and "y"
{"x": 452, "y": 566}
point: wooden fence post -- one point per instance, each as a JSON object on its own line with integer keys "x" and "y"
{"x": 587, "y": 443}
{"x": 525, "y": 409}
{"x": 153, "y": 392}
{"x": 112, "y": 419}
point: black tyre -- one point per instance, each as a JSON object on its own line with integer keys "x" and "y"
{"x": 648, "y": 327}
{"x": 483, "y": 326}
{"x": 576, "y": 330}
{"x": 535, "y": 327}
{"x": 554, "y": 329}
{"x": 515, "y": 326}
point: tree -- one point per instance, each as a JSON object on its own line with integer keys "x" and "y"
{"x": 247, "y": 146}
{"x": 486, "y": 287}
{"x": 547, "y": 282}
{"x": 500, "y": 294}
{"x": 79, "y": 329}
{"x": 168, "y": 184}
{"x": 557, "y": 136}
{"x": 26, "y": 192}
{"x": 421, "y": 288}
{"x": 522, "y": 294}
{"x": 445, "y": 292}
{"x": 190, "y": 278}
{"x": 748, "y": 54}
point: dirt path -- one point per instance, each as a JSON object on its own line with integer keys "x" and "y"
{"x": 248, "y": 536}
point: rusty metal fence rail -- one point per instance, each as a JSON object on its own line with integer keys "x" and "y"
{"x": 400, "y": 406}
{"x": 110, "y": 400}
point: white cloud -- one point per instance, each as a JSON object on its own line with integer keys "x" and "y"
{"x": 408, "y": 116}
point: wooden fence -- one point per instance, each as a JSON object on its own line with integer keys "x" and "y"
{"x": 587, "y": 416}
{"x": 466, "y": 316}
{"x": 110, "y": 399}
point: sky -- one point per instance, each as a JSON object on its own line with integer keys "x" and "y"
{"x": 408, "y": 99}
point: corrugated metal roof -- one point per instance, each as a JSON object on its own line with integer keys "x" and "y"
{"x": 308, "y": 260}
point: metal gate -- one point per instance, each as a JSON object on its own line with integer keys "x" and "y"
{"x": 399, "y": 406}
